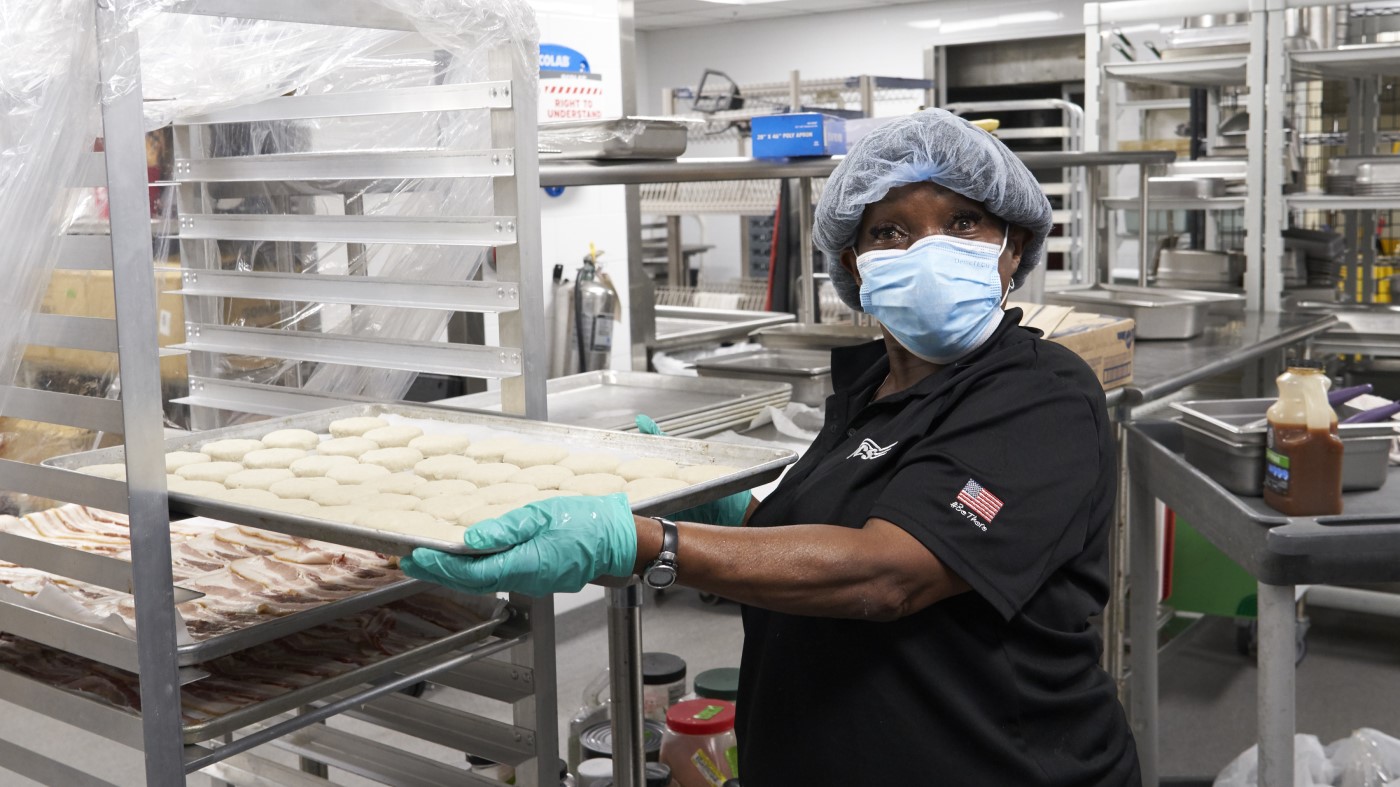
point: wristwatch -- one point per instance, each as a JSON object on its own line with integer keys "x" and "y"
{"x": 661, "y": 572}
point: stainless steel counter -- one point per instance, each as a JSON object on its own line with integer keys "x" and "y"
{"x": 1161, "y": 368}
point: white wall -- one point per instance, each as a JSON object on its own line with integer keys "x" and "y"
{"x": 877, "y": 41}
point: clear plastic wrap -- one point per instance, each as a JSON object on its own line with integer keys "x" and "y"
{"x": 192, "y": 64}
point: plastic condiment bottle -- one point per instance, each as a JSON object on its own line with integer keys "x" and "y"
{"x": 699, "y": 745}
{"x": 1303, "y": 460}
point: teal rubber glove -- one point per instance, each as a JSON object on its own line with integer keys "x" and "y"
{"x": 729, "y": 510}
{"x": 556, "y": 545}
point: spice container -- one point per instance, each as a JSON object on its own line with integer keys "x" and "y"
{"x": 1303, "y": 458}
{"x": 663, "y": 684}
{"x": 699, "y": 744}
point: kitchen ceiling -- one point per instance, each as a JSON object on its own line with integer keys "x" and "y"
{"x": 667, "y": 14}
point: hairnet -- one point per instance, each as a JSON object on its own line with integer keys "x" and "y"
{"x": 932, "y": 145}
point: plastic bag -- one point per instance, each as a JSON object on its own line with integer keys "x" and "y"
{"x": 1311, "y": 766}
{"x": 1369, "y": 758}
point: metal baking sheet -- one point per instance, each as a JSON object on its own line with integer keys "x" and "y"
{"x": 795, "y": 363}
{"x": 615, "y": 138}
{"x": 687, "y": 326}
{"x": 759, "y": 466}
{"x": 1242, "y": 419}
{"x": 297, "y": 698}
{"x": 817, "y": 336}
{"x": 124, "y": 725}
{"x": 612, "y": 400}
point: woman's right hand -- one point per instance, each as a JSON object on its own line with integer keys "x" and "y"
{"x": 730, "y": 511}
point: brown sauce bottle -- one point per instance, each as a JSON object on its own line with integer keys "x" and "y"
{"x": 1303, "y": 458}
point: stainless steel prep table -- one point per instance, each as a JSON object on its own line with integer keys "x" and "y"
{"x": 1280, "y": 552}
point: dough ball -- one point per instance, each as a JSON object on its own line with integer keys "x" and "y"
{"x": 173, "y": 482}
{"x": 300, "y": 488}
{"x": 447, "y": 486}
{"x": 414, "y": 523}
{"x": 209, "y": 471}
{"x": 344, "y": 514}
{"x": 394, "y": 436}
{"x": 594, "y": 484}
{"x": 246, "y": 496}
{"x": 346, "y": 446}
{"x": 647, "y": 488}
{"x": 199, "y": 488}
{"x": 272, "y": 457}
{"x": 356, "y": 474}
{"x": 545, "y": 494}
{"x": 436, "y": 468}
{"x": 647, "y": 468}
{"x": 316, "y": 465}
{"x": 508, "y": 493}
{"x": 230, "y": 450}
{"x": 340, "y": 495}
{"x": 450, "y": 507}
{"x": 396, "y": 459}
{"x": 492, "y": 449}
{"x": 354, "y": 427}
{"x": 115, "y": 471}
{"x": 488, "y": 474}
{"x": 531, "y": 455}
{"x": 388, "y": 501}
{"x": 178, "y": 459}
{"x": 305, "y": 439}
{"x": 590, "y": 463}
{"x": 542, "y": 476}
{"x": 440, "y": 444}
{"x": 293, "y": 505}
{"x": 483, "y": 513}
{"x": 699, "y": 474}
{"x": 258, "y": 479}
{"x": 399, "y": 483}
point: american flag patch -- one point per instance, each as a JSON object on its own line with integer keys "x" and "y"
{"x": 979, "y": 500}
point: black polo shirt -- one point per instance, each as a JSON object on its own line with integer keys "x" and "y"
{"x": 1003, "y": 465}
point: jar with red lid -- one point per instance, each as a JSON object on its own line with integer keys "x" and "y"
{"x": 699, "y": 743}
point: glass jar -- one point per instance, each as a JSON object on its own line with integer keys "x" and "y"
{"x": 699, "y": 745}
{"x": 663, "y": 684}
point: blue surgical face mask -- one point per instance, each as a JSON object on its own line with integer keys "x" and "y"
{"x": 941, "y": 298}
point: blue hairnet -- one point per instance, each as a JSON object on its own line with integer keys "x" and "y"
{"x": 932, "y": 145}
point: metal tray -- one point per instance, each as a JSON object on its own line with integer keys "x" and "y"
{"x": 615, "y": 138}
{"x": 808, "y": 371}
{"x": 817, "y": 336}
{"x": 1159, "y": 313}
{"x": 759, "y": 466}
{"x": 1241, "y": 419}
{"x": 1378, "y": 178}
{"x": 124, "y": 725}
{"x": 687, "y": 326}
{"x": 1239, "y": 466}
{"x": 612, "y": 400}
{"x": 1185, "y": 187}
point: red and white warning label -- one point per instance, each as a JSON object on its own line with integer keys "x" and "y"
{"x": 571, "y": 96}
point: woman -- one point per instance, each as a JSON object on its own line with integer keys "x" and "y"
{"x": 934, "y": 627}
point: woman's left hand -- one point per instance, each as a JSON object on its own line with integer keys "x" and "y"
{"x": 556, "y": 545}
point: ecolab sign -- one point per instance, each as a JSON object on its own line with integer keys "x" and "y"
{"x": 554, "y": 57}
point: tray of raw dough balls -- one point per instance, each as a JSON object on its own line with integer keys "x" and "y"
{"x": 392, "y": 477}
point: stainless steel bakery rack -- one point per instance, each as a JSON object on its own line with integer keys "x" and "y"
{"x": 522, "y": 673}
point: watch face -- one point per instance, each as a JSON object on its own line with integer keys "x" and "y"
{"x": 661, "y": 576}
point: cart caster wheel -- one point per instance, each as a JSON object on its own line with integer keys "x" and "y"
{"x": 416, "y": 690}
{"x": 1247, "y": 639}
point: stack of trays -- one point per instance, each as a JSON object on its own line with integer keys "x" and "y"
{"x": 1379, "y": 178}
{"x": 807, "y": 371}
{"x": 1342, "y": 172}
{"x": 681, "y": 406}
{"x": 1225, "y": 439}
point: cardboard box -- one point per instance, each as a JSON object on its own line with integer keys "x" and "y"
{"x": 89, "y": 294}
{"x": 1104, "y": 342}
{"x": 798, "y": 134}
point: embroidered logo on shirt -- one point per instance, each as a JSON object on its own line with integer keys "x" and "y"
{"x": 869, "y": 449}
{"x": 974, "y": 499}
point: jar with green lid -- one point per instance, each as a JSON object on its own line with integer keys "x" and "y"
{"x": 721, "y": 683}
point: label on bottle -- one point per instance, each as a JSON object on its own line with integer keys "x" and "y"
{"x": 707, "y": 769}
{"x": 732, "y": 755}
{"x": 1276, "y": 470}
